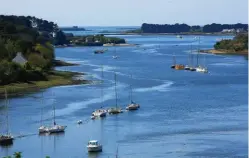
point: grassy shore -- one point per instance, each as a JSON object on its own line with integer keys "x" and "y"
{"x": 62, "y": 63}
{"x": 225, "y": 52}
{"x": 54, "y": 78}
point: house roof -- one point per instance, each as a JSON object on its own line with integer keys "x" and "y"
{"x": 19, "y": 58}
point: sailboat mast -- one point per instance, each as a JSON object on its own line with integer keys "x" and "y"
{"x": 102, "y": 78}
{"x": 7, "y": 112}
{"x": 191, "y": 56}
{"x": 116, "y": 89}
{"x": 54, "y": 110}
{"x": 131, "y": 89}
{"x": 174, "y": 59}
{"x": 42, "y": 109}
{"x": 198, "y": 52}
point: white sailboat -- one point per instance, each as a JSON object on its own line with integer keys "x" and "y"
{"x": 7, "y": 138}
{"x": 192, "y": 68}
{"x": 56, "y": 128}
{"x": 115, "y": 110}
{"x": 200, "y": 68}
{"x": 132, "y": 105}
{"x": 42, "y": 129}
{"x": 187, "y": 67}
{"x": 100, "y": 112}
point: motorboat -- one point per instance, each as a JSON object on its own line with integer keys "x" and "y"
{"x": 94, "y": 146}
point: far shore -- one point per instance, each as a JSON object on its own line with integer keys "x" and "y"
{"x": 187, "y": 33}
{"x": 225, "y": 52}
{"x": 104, "y": 45}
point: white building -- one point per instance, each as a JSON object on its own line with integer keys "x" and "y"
{"x": 19, "y": 59}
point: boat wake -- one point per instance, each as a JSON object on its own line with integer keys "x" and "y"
{"x": 76, "y": 106}
{"x": 160, "y": 88}
{"x": 227, "y": 64}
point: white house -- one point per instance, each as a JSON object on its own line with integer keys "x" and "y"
{"x": 19, "y": 59}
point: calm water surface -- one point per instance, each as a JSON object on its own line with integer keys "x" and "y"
{"x": 182, "y": 114}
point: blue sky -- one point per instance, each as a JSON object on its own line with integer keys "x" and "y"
{"x": 130, "y": 12}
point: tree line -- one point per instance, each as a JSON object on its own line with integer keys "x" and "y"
{"x": 34, "y": 38}
{"x": 239, "y": 43}
{"x": 181, "y": 28}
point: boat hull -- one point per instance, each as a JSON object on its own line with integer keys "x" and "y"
{"x": 99, "y": 113}
{"x": 131, "y": 107}
{"x": 6, "y": 141}
{"x": 57, "y": 129}
{"x": 114, "y": 111}
{"x": 94, "y": 148}
{"x": 203, "y": 70}
{"x": 179, "y": 67}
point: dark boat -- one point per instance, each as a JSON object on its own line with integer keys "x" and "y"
{"x": 6, "y": 140}
{"x": 174, "y": 62}
{"x": 98, "y": 51}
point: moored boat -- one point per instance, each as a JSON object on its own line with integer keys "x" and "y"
{"x": 116, "y": 109}
{"x": 179, "y": 67}
{"x": 132, "y": 105}
{"x": 6, "y": 139}
{"x": 94, "y": 146}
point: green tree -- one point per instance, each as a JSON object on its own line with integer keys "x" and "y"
{"x": 37, "y": 61}
{"x": 3, "y": 51}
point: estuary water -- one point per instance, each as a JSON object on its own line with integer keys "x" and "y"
{"x": 182, "y": 114}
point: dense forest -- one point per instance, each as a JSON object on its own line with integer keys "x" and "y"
{"x": 238, "y": 44}
{"x": 32, "y": 37}
{"x": 183, "y": 28}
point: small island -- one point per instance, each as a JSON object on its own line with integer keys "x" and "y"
{"x": 74, "y": 28}
{"x": 27, "y": 57}
{"x": 93, "y": 40}
{"x": 237, "y": 46}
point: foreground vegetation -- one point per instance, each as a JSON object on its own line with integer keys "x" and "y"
{"x": 18, "y": 155}
{"x": 34, "y": 38}
{"x": 53, "y": 78}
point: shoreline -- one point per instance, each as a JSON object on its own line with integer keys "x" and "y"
{"x": 188, "y": 33}
{"x": 54, "y": 78}
{"x": 225, "y": 52}
{"x": 104, "y": 45}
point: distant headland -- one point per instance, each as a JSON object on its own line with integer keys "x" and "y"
{"x": 187, "y": 29}
{"x": 237, "y": 46}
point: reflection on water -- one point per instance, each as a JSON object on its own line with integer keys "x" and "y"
{"x": 93, "y": 154}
